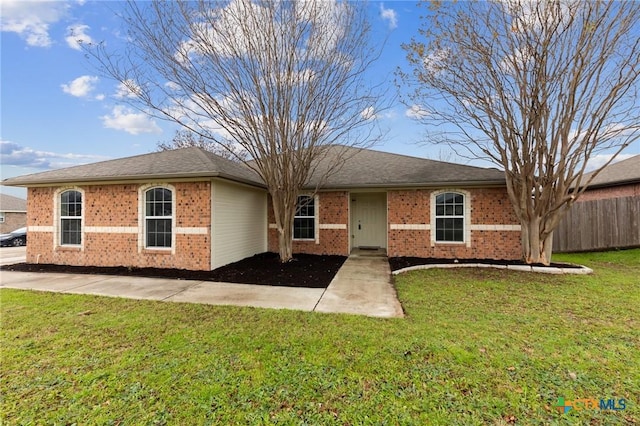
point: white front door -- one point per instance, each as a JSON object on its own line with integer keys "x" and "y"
{"x": 369, "y": 220}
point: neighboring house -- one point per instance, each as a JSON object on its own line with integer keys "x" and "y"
{"x": 13, "y": 213}
{"x": 191, "y": 209}
{"x": 607, "y": 214}
{"x": 621, "y": 179}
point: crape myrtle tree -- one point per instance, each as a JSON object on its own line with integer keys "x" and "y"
{"x": 271, "y": 83}
{"x": 536, "y": 87}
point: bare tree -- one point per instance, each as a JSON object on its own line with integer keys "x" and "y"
{"x": 278, "y": 81}
{"x": 185, "y": 139}
{"x": 536, "y": 87}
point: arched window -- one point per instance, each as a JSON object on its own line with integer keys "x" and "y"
{"x": 158, "y": 217}
{"x": 450, "y": 219}
{"x": 304, "y": 219}
{"x": 71, "y": 218}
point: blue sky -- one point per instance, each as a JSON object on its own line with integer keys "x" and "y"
{"x": 56, "y": 111}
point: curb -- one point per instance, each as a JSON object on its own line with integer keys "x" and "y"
{"x": 582, "y": 270}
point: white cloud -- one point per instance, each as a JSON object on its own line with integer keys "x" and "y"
{"x": 597, "y": 161}
{"x": 81, "y": 86}
{"x": 369, "y": 113}
{"x": 172, "y": 85}
{"x": 77, "y": 35}
{"x": 31, "y": 19}
{"x": 416, "y": 112}
{"x": 436, "y": 61}
{"x": 127, "y": 90}
{"x": 329, "y": 18}
{"x": 390, "y": 16}
{"x": 13, "y": 154}
{"x": 122, "y": 118}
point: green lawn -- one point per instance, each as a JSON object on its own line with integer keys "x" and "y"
{"x": 477, "y": 346}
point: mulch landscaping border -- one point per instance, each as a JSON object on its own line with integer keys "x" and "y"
{"x": 305, "y": 270}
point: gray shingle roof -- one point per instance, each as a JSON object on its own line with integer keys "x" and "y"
{"x": 179, "y": 163}
{"x": 370, "y": 168}
{"x": 622, "y": 172}
{"x": 358, "y": 168}
{"x": 9, "y": 203}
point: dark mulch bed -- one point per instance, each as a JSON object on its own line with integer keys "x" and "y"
{"x": 305, "y": 270}
{"x": 405, "y": 262}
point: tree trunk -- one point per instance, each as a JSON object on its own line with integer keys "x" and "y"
{"x": 536, "y": 246}
{"x": 285, "y": 243}
{"x": 284, "y": 215}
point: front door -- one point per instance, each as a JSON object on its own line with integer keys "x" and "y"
{"x": 369, "y": 220}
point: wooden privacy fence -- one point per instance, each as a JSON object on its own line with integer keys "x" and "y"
{"x": 599, "y": 224}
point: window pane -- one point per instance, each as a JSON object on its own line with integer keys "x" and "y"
{"x": 450, "y": 229}
{"x": 71, "y": 203}
{"x": 303, "y": 228}
{"x": 305, "y": 206}
{"x": 71, "y": 233}
{"x": 158, "y": 202}
{"x": 459, "y": 211}
{"x": 70, "y": 229}
{"x": 304, "y": 221}
{"x": 158, "y": 232}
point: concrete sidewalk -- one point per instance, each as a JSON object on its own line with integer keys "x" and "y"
{"x": 362, "y": 286}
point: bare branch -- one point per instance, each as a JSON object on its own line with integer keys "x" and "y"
{"x": 536, "y": 87}
{"x": 275, "y": 80}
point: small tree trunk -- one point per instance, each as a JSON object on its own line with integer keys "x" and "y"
{"x": 535, "y": 247}
{"x": 285, "y": 243}
{"x": 547, "y": 249}
{"x": 284, "y": 215}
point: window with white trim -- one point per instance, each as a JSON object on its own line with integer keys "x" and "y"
{"x": 71, "y": 218}
{"x": 1, "y": 217}
{"x": 304, "y": 221}
{"x": 158, "y": 217}
{"x": 449, "y": 217}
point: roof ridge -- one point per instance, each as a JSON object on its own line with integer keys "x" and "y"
{"x": 416, "y": 158}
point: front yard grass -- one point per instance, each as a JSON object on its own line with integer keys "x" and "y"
{"x": 477, "y": 346}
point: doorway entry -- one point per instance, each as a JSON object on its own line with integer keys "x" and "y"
{"x": 369, "y": 220}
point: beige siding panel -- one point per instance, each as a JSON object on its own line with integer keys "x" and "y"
{"x": 239, "y": 223}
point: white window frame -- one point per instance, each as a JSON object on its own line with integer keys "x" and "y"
{"x": 314, "y": 217}
{"x": 2, "y": 217}
{"x": 59, "y": 218}
{"x": 466, "y": 217}
{"x": 142, "y": 237}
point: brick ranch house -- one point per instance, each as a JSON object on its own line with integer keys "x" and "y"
{"x": 621, "y": 179}
{"x": 191, "y": 209}
{"x": 13, "y": 213}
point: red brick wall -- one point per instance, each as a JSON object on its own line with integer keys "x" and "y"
{"x": 408, "y": 207}
{"x": 333, "y": 209}
{"x": 117, "y": 206}
{"x": 630, "y": 190}
{"x": 489, "y": 206}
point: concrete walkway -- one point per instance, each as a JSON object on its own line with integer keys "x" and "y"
{"x": 362, "y": 286}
